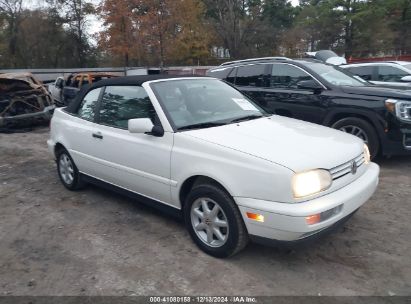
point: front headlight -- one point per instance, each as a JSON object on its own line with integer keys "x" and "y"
{"x": 310, "y": 182}
{"x": 400, "y": 108}
{"x": 367, "y": 155}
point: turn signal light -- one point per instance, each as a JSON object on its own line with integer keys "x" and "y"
{"x": 390, "y": 105}
{"x": 313, "y": 219}
{"x": 255, "y": 217}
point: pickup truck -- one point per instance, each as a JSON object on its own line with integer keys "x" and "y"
{"x": 64, "y": 91}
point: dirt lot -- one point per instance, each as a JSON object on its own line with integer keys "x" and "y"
{"x": 93, "y": 242}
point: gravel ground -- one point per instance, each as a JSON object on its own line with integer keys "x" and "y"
{"x": 94, "y": 242}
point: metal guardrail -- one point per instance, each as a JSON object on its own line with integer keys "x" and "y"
{"x": 49, "y": 75}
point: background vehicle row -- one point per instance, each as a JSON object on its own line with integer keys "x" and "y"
{"x": 327, "y": 95}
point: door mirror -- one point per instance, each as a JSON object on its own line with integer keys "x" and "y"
{"x": 144, "y": 125}
{"x": 406, "y": 78}
{"x": 309, "y": 85}
{"x": 140, "y": 125}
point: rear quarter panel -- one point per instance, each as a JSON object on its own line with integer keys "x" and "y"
{"x": 71, "y": 132}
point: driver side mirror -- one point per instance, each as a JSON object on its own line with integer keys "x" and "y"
{"x": 406, "y": 78}
{"x": 145, "y": 126}
{"x": 309, "y": 85}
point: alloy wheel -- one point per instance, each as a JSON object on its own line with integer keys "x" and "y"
{"x": 66, "y": 169}
{"x": 356, "y": 131}
{"x": 209, "y": 222}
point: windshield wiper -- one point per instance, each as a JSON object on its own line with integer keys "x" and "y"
{"x": 202, "y": 125}
{"x": 248, "y": 117}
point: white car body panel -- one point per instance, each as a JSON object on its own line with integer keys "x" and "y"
{"x": 136, "y": 162}
{"x": 253, "y": 160}
{"x": 394, "y": 84}
{"x": 284, "y": 141}
{"x": 239, "y": 173}
{"x": 287, "y": 221}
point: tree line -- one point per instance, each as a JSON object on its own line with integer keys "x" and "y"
{"x": 196, "y": 32}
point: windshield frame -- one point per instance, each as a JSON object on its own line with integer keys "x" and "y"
{"x": 175, "y": 128}
{"x": 407, "y": 66}
{"x": 311, "y": 67}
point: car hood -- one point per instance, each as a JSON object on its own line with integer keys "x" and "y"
{"x": 378, "y": 91}
{"x": 295, "y": 144}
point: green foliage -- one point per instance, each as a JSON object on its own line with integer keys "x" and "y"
{"x": 356, "y": 27}
{"x": 46, "y": 37}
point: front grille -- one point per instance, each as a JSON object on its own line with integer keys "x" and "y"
{"x": 344, "y": 169}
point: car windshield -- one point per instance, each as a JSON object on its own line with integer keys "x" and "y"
{"x": 337, "y": 76}
{"x": 202, "y": 103}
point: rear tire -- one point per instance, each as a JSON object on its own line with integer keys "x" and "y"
{"x": 362, "y": 129}
{"x": 214, "y": 221}
{"x": 67, "y": 171}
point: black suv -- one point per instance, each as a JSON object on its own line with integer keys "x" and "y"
{"x": 326, "y": 95}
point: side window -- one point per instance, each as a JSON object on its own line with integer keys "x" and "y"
{"x": 250, "y": 75}
{"x": 88, "y": 105}
{"x": 122, "y": 103}
{"x": 220, "y": 73}
{"x": 389, "y": 73}
{"x": 365, "y": 72}
{"x": 231, "y": 77}
{"x": 287, "y": 76}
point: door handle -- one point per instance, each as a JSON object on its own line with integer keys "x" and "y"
{"x": 98, "y": 135}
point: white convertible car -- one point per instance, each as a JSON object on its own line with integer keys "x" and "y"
{"x": 198, "y": 147}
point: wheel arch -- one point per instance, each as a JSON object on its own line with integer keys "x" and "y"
{"x": 376, "y": 146}
{"x": 57, "y": 147}
{"x": 194, "y": 180}
{"x": 371, "y": 118}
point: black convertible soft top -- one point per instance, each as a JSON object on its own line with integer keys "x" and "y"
{"x": 118, "y": 81}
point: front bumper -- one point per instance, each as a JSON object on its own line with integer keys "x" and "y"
{"x": 406, "y": 139}
{"x": 287, "y": 222}
{"x": 397, "y": 139}
{"x": 45, "y": 114}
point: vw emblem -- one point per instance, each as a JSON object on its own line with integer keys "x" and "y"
{"x": 354, "y": 167}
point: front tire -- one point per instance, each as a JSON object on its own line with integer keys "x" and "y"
{"x": 362, "y": 129}
{"x": 214, "y": 221}
{"x": 67, "y": 171}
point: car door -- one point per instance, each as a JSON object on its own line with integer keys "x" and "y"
{"x": 55, "y": 89}
{"x": 81, "y": 134}
{"x": 136, "y": 162}
{"x": 283, "y": 95}
{"x": 71, "y": 90}
{"x": 250, "y": 79}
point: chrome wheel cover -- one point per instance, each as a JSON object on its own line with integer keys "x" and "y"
{"x": 356, "y": 131}
{"x": 66, "y": 169}
{"x": 209, "y": 222}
